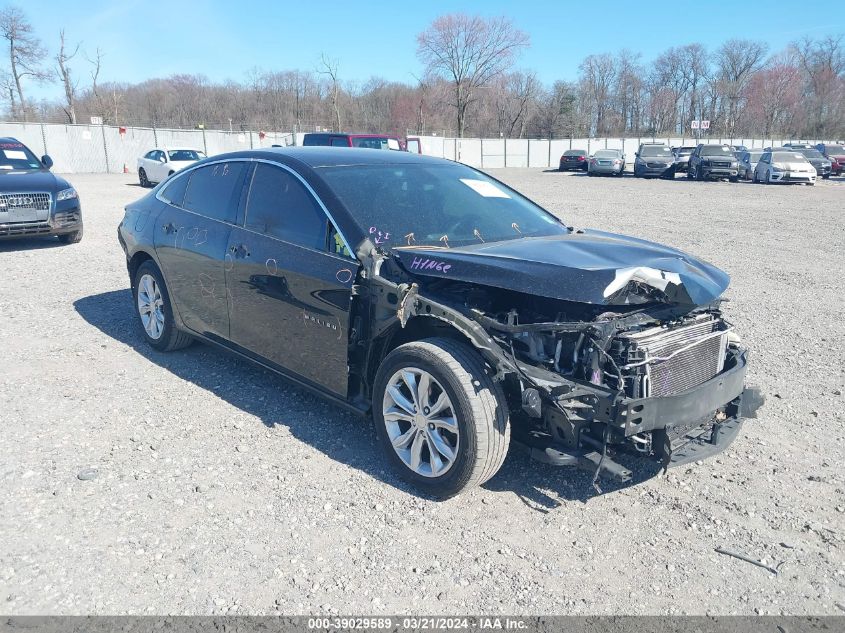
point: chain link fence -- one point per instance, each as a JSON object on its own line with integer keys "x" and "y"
{"x": 113, "y": 149}
{"x": 489, "y": 153}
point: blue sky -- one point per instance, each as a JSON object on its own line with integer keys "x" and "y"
{"x": 225, "y": 39}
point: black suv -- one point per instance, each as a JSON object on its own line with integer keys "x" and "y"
{"x": 713, "y": 161}
{"x": 33, "y": 201}
{"x": 446, "y": 305}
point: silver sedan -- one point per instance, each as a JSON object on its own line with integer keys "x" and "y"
{"x": 606, "y": 162}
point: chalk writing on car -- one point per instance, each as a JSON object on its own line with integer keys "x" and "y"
{"x": 380, "y": 237}
{"x": 344, "y": 275}
{"x": 423, "y": 263}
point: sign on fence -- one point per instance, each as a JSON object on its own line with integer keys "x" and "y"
{"x": 705, "y": 124}
{"x": 96, "y": 120}
{"x": 694, "y": 124}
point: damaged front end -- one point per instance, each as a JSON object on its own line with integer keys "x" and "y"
{"x": 647, "y": 368}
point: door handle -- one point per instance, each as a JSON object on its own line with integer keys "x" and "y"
{"x": 169, "y": 228}
{"x": 239, "y": 251}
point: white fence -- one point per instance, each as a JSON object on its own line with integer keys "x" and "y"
{"x": 490, "y": 153}
{"x": 107, "y": 148}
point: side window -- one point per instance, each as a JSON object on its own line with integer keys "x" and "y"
{"x": 214, "y": 190}
{"x": 150, "y": 155}
{"x": 339, "y": 142}
{"x": 174, "y": 192}
{"x": 279, "y": 205}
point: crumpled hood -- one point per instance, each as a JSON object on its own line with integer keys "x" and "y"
{"x": 20, "y": 181}
{"x": 584, "y": 266}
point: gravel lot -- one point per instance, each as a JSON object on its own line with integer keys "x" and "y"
{"x": 220, "y": 488}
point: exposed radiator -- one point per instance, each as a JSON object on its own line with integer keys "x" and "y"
{"x": 695, "y": 352}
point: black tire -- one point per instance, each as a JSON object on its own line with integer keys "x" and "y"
{"x": 479, "y": 406}
{"x": 689, "y": 174}
{"x": 734, "y": 179}
{"x": 826, "y": 177}
{"x": 71, "y": 238}
{"x": 142, "y": 178}
{"x": 171, "y": 337}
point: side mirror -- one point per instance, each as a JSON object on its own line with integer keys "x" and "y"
{"x": 163, "y": 159}
{"x": 46, "y": 161}
{"x": 637, "y": 154}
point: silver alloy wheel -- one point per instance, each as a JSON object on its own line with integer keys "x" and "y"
{"x": 421, "y": 422}
{"x": 150, "y": 306}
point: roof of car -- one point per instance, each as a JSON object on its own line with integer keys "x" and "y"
{"x": 323, "y": 156}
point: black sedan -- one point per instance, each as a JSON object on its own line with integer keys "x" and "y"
{"x": 574, "y": 160}
{"x": 33, "y": 201}
{"x": 445, "y": 304}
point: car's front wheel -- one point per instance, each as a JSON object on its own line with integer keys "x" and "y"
{"x": 441, "y": 418}
{"x": 154, "y": 310}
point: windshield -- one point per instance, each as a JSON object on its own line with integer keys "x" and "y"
{"x": 716, "y": 150}
{"x": 788, "y": 157}
{"x": 184, "y": 154}
{"x": 812, "y": 153}
{"x": 754, "y": 156}
{"x": 376, "y": 143}
{"x": 17, "y": 156}
{"x": 655, "y": 150}
{"x": 607, "y": 153}
{"x": 435, "y": 205}
{"x": 686, "y": 150}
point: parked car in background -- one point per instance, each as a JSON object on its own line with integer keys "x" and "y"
{"x": 340, "y": 139}
{"x": 682, "y": 155}
{"x": 158, "y": 164}
{"x": 824, "y": 167}
{"x": 33, "y": 201}
{"x": 784, "y": 166}
{"x": 709, "y": 162}
{"x": 835, "y": 153}
{"x": 654, "y": 160}
{"x": 573, "y": 159}
{"x": 606, "y": 162}
{"x": 747, "y": 162}
{"x": 413, "y": 145}
{"x": 329, "y": 268}
{"x": 798, "y": 146}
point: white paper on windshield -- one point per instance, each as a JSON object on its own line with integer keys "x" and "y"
{"x": 484, "y": 188}
{"x": 14, "y": 154}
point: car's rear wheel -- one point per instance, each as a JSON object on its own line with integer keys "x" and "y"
{"x": 142, "y": 178}
{"x": 71, "y": 238}
{"x": 441, "y": 418}
{"x": 155, "y": 311}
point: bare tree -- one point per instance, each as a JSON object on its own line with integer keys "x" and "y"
{"x": 64, "y": 74}
{"x": 25, "y": 51}
{"x": 598, "y": 74}
{"x": 469, "y": 51}
{"x": 329, "y": 67}
{"x": 737, "y": 61}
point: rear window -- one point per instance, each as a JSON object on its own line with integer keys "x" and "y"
{"x": 607, "y": 153}
{"x": 214, "y": 190}
{"x": 376, "y": 143}
{"x": 574, "y": 152}
{"x": 835, "y": 149}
